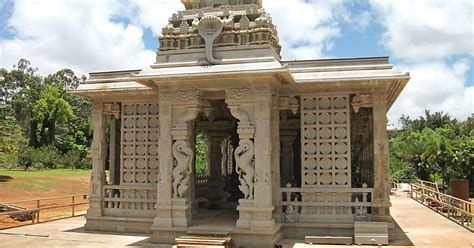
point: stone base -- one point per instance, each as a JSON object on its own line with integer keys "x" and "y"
{"x": 244, "y": 238}
{"x": 301, "y": 230}
{"x": 119, "y": 224}
{"x": 328, "y": 240}
{"x": 371, "y": 233}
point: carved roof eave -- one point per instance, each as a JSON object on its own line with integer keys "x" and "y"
{"x": 281, "y": 74}
{"x": 389, "y": 85}
{"x": 111, "y": 89}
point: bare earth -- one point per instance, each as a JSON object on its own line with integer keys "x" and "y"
{"x": 30, "y": 186}
{"x": 416, "y": 226}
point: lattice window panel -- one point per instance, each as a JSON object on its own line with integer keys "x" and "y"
{"x": 325, "y": 128}
{"x": 139, "y": 144}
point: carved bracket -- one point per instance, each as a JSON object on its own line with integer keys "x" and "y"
{"x": 112, "y": 109}
{"x": 361, "y": 101}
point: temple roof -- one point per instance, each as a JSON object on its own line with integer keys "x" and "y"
{"x": 196, "y": 4}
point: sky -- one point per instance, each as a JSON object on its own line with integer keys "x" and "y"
{"x": 431, "y": 39}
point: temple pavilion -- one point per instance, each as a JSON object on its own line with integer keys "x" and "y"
{"x": 294, "y": 148}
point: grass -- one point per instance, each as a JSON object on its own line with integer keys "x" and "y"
{"x": 35, "y": 185}
{"x": 43, "y": 173}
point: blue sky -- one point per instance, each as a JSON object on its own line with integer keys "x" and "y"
{"x": 432, "y": 39}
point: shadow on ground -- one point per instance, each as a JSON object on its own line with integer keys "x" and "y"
{"x": 400, "y": 237}
{"x": 5, "y": 178}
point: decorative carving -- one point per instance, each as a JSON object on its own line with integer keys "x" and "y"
{"x": 361, "y": 101}
{"x": 140, "y": 133}
{"x": 183, "y": 156}
{"x": 239, "y": 94}
{"x": 112, "y": 109}
{"x": 240, "y": 114}
{"x": 187, "y": 95}
{"x": 209, "y": 28}
{"x": 245, "y": 166}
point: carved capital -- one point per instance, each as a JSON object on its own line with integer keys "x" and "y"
{"x": 112, "y": 109}
{"x": 361, "y": 101}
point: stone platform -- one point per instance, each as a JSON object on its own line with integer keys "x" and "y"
{"x": 416, "y": 226}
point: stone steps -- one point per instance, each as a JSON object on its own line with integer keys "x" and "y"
{"x": 204, "y": 239}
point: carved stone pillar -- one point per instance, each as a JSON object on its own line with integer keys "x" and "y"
{"x": 216, "y": 195}
{"x": 241, "y": 105}
{"x": 164, "y": 189}
{"x": 275, "y": 163}
{"x": 381, "y": 169}
{"x": 99, "y": 152}
{"x": 263, "y": 216}
{"x": 287, "y": 156}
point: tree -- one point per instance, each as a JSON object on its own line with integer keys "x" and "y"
{"x": 48, "y": 111}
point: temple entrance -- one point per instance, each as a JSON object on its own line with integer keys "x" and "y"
{"x": 216, "y": 191}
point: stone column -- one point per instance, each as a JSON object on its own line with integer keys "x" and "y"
{"x": 287, "y": 139}
{"x": 99, "y": 152}
{"x": 114, "y": 146}
{"x": 263, "y": 216}
{"x": 381, "y": 201}
{"x": 275, "y": 163}
{"x": 216, "y": 195}
{"x": 164, "y": 189}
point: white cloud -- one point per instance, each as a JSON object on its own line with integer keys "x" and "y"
{"x": 435, "y": 86}
{"x": 76, "y": 34}
{"x": 424, "y": 35}
{"x": 421, "y": 30}
{"x": 306, "y": 28}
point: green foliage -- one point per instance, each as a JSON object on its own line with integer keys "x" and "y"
{"x": 434, "y": 147}
{"x": 201, "y": 155}
{"x": 41, "y": 125}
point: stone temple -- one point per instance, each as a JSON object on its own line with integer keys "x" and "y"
{"x": 295, "y": 148}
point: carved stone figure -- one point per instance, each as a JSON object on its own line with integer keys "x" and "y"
{"x": 209, "y": 28}
{"x": 245, "y": 161}
{"x": 183, "y": 155}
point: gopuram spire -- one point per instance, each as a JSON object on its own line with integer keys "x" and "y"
{"x": 212, "y": 24}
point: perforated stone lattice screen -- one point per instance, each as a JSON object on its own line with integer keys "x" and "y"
{"x": 325, "y": 127}
{"x": 140, "y": 133}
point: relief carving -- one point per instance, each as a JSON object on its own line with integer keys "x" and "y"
{"x": 245, "y": 160}
{"x": 187, "y": 95}
{"x": 239, "y": 94}
{"x": 209, "y": 28}
{"x": 183, "y": 156}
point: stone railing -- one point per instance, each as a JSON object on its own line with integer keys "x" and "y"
{"x": 130, "y": 201}
{"x": 326, "y": 205}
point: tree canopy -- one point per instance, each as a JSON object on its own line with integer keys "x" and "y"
{"x": 41, "y": 125}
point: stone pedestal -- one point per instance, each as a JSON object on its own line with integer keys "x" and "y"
{"x": 246, "y": 209}
{"x": 181, "y": 212}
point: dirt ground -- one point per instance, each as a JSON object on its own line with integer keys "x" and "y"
{"x": 19, "y": 186}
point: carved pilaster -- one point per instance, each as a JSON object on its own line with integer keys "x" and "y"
{"x": 381, "y": 169}
{"x": 99, "y": 153}
{"x": 263, "y": 161}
